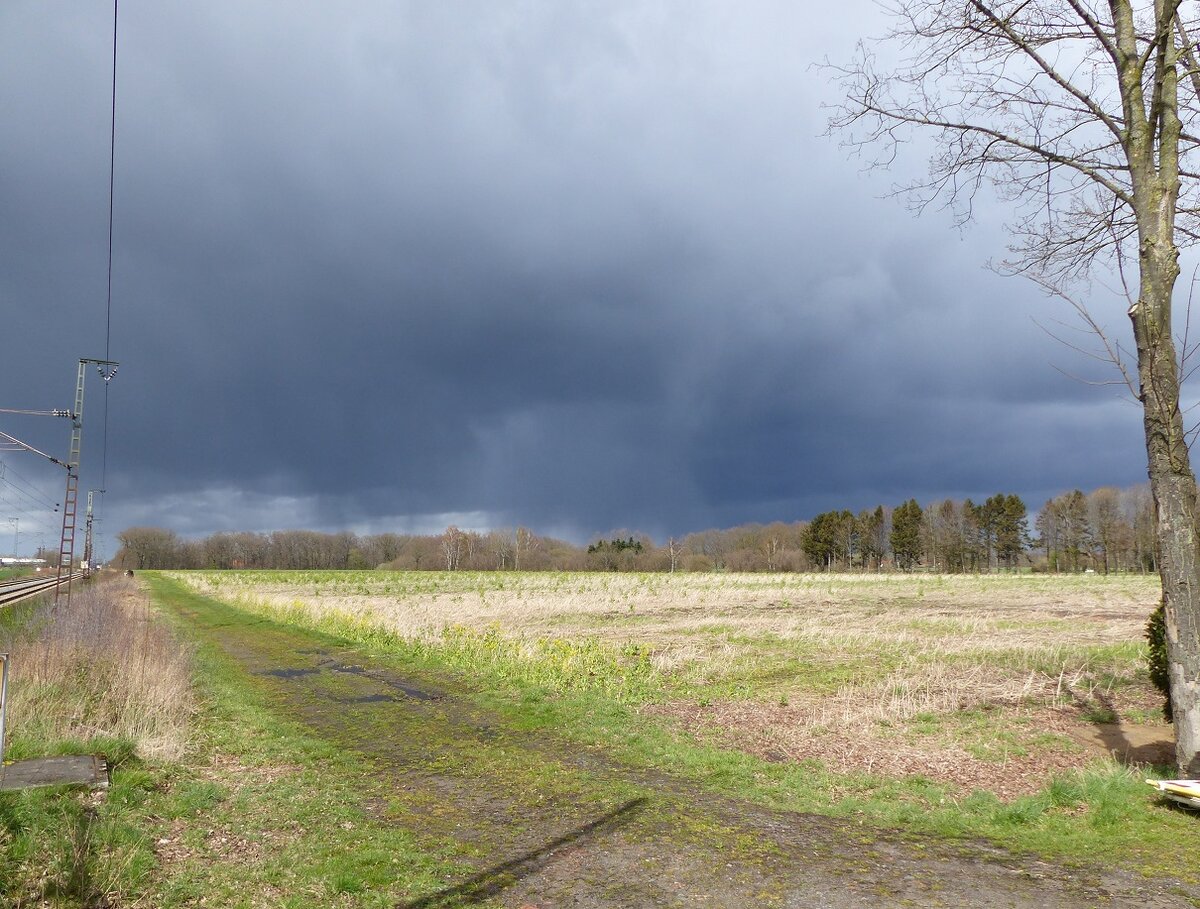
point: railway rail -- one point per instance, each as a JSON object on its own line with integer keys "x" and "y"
{"x": 17, "y": 589}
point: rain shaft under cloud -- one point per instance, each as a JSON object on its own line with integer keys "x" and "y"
{"x": 543, "y": 263}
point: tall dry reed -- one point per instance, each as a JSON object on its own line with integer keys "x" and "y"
{"x": 105, "y": 667}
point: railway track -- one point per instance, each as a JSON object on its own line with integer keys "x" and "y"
{"x": 17, "y": 589}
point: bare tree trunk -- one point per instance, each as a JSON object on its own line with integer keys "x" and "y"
{"x": 1173, "y": 486}
{"x": 1151, "y": 143}
{"x": 1172, "y": 482}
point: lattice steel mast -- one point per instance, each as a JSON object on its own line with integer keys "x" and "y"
{"x": 66, "y": 548}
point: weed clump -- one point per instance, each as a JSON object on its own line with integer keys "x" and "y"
{"x": 102, "y": 670}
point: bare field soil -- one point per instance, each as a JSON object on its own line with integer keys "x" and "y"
{"x": 985, "y": 682}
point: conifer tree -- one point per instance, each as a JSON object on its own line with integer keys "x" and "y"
{"x": 907, "y": 520}
{"x": 1012, "y": 530}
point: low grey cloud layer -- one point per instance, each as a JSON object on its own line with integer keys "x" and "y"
{"x": 493, "y": 263}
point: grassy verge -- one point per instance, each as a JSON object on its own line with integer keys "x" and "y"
{"x": 101, "y": 677}
{"x": 238, "y": 808}
{"x": 592, "y": 694}
{"x": 267, "y": 814}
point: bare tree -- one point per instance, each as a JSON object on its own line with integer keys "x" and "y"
{"x": 523, "y": 541}
{"x": 453, "y": 543}
{"x": 1083, "y": 114}
{"x": 500, "y": 547}
{"x": 1104, "y": 514}
{"x": 675, "y": 549}
{"x": 147, "y": 547}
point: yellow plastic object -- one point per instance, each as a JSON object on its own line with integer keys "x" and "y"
{"x": 1185, "y": 792}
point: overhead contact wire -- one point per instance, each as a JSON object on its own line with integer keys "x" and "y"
{"x": 112, "y": 171}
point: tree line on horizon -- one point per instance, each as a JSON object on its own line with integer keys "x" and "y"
{"x": 1106, "y": 530}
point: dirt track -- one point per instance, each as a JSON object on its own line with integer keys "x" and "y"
{"x": 549, "y": 824}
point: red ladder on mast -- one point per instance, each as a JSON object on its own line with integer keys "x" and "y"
{"x": 66, "y": 549}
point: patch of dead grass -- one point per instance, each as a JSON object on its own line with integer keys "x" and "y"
{"x": 1053, "y": 740}
{"x": 916, "y": 614}
{"x": 103, "y": 667}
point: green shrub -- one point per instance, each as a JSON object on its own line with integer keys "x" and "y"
{"x": 1156, "y": 634}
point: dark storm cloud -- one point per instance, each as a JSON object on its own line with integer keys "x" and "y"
{"x": 405, "y": 263}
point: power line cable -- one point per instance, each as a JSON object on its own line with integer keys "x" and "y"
{"x": 104, "y": 446}
{"x": 112, "y": 172}
{"x": 21, "y": 484}
{"x": 29, "y": 500}
{"x": 38, "y": 517}
{"x": 15, "y": 506}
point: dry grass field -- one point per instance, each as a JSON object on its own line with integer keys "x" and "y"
{"x": 988, "y": 682}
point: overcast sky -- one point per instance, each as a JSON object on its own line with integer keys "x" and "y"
{"x": 388, "y": 265}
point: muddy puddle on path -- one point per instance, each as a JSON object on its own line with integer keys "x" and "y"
{"x": 551, "y": 825}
